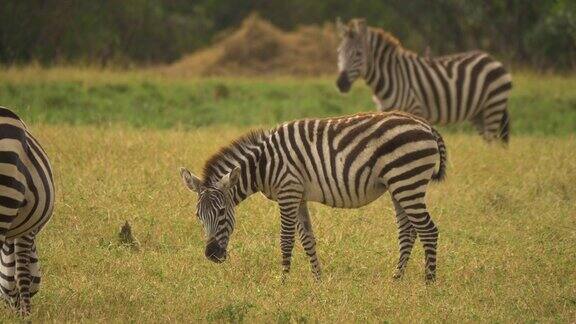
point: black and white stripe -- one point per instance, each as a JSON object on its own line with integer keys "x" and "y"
{"x": 466, "y": 86}
{"x": 26, "y": 204}
{"x": 344, "y": 162}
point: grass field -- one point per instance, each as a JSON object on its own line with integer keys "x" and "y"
{"x": 539, "y": 105}
{"x": 506, "y": 216}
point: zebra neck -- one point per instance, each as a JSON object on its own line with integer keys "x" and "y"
{"x": 245, "y": 188}
{"x": 244, "y": 153}
{"x": 249, "y": 182}
{"x": 384, "y": 70}
{"x": 371, "y": 58}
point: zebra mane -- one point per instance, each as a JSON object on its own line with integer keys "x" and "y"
{"x": 254, "y": 137}
{"x": 387, "y": 37}
{"x": 391, "y": 39}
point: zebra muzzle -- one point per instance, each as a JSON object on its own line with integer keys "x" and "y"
{"x": 214, "y": 252}
{"x": 343, "y": 83}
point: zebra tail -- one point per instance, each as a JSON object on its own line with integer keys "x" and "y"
{"x": 505, "y": 127}
{"x": 441, "y": 173}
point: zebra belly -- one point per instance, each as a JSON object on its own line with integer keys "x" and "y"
{"x": 342, "y": 199}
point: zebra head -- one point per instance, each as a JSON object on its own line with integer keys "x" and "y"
{"x": 352, "y": 52}
{"x": 215, "y": 210}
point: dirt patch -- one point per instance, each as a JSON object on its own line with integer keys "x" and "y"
{"x": 259, "y": 48}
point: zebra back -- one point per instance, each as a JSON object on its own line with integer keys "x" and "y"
{"x": 470, "y": 86}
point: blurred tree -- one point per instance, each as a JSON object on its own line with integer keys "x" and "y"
{"x": 541, "y": 33}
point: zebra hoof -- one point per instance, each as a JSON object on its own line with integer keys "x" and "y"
{"x": 24, "y": 311}
{"x": 398, "y": 274}
{"x": 284, "y": 276}
{"x": 430, "y": 278}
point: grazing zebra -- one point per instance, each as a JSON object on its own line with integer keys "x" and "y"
{"x": 344, "y": 162}
{"x": 466, "y": 86}
{"x": 26, "y": 203}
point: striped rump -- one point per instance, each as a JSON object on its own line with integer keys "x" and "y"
{"x": 26, "y": 204}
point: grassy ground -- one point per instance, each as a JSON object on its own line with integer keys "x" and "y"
{"x": 116, "y": 140}
{"x": 506, "y": 252}
{"x": 539, "y": 105}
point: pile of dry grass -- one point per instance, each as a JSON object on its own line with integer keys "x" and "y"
{"x": 260, "y": 48}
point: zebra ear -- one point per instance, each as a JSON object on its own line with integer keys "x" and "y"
{"x": 230, "y": 179}
{"x": 191, "y": 181}
{"x": 360, "y": 26}
{"x": 341, "y": 28}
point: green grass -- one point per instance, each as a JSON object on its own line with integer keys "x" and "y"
{"x": 506, "y": 253}
{"x": 539, "y": 105}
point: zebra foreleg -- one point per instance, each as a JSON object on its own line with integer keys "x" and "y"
{"x": 406, "y": 238}
{"x": 288, "y": 220}
{"x": 308, "y": 240}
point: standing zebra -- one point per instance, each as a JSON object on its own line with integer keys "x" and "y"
{"x": 466, "y": 86}
{"x": 344, "y": 162}
{"x": 26, "y": 203}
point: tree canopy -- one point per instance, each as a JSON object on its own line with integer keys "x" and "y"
{"x": 541, "y": 34}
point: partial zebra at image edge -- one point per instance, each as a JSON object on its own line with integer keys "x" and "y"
{"x": 27, "y": 188}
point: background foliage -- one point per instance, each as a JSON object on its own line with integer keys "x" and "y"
{"x": 537, "y": 33}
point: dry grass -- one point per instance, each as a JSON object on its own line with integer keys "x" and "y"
{"x": 506, "y": 253}
{"x": 259, "y": 48}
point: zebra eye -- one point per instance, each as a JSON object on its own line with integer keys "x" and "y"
{"x": 222, "y": 210}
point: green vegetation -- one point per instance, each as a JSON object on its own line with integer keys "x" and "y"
{"x": 539, "y": 33}
{"x": 506, "y": 251}
{"x": 539, "y": 105}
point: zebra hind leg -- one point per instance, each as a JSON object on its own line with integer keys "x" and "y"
{"x": 35, "y": 273}
{"x": 478, "y": 122}
{"x": 406, "y": 238}
{"x": 505, "y": 127}
{"x": 8, "y": 290}
{"x": 496, "y": 121}
{"x": 23, "y": 249}
{"x": 308, "y": 240}
{"x": 427, "y": 231}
